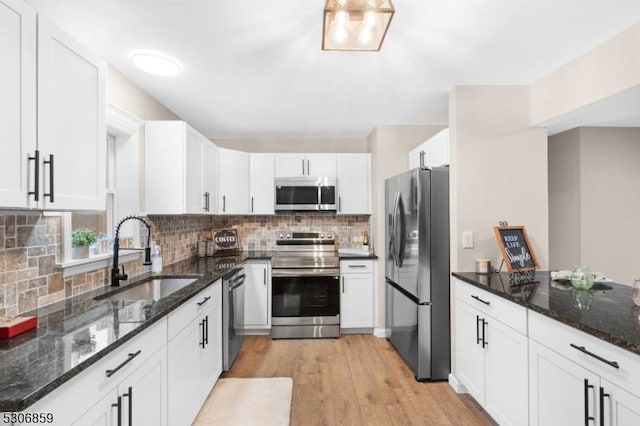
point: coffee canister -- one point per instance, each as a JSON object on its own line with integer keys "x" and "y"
{"x": 483, "y": 266}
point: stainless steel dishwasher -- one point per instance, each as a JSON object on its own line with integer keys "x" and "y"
{"x": 232, "y": 315}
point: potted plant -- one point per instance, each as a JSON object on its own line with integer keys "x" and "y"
{"x": 81, "y": 239}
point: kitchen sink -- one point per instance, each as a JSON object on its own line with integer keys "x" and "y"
{"x": 154, "y": 288}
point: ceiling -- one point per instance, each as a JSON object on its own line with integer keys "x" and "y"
{"x": 254, "y": 68}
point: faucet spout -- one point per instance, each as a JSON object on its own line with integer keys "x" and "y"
{"x": 116, "y": 275}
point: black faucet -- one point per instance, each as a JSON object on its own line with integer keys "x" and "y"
{"x": 116, "y": 275}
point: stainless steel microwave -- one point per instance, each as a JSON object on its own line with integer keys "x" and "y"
{"x": 305, "y": 194}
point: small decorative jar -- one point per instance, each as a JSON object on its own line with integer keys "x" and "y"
{"x": 582, "y": 277}
{"x": 635, "y": 292}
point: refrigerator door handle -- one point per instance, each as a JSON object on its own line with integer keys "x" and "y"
{"x": 403, "y": 232}
{"x": 394, "y": 224}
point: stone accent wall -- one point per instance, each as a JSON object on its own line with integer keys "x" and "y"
{"x": 30, "y": 247}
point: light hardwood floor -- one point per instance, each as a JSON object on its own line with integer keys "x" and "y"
{"x": 353, "y": 380}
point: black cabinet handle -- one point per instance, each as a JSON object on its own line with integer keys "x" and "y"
{"x": 582, "y": 349}
{"x": 357, "y": 266}
{"x": 205, "y": 300}
{"x": 339, "y": 203}
{"x": 206, "y": 330}
{"x": 251, "y": 204}
{"x": 125, "y": 362}
{"x": 50, "y": 194}
{"x": 224, "y": 203}
{"x": 264, "y": 274}
{"x": 119, "y": 405}
{"x": 603, "y": 395}
{"x": 308, "y": 168}
{"x": 201, "y": 325}
{"x": 36, "y": 176}
{"x": 477, "y": 329}
{"x": 130, "y": 396}
{"x": 587, "y": 386}
{"x": 480, "y": 300}
{"x": 484, "y": 337}
{"x": 303, "y": 166}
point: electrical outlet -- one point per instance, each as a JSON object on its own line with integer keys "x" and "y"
{"x": 467, "y": 240}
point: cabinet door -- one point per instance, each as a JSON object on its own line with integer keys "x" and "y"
{"x": 506, "y": 374}
{"x": 290, "y": 165}
{"x": 560, "y": 391}
{"x": 257, "y": 296}
{"x": 210, "y": 176}
{"x": 356, "y": 301}
{"x": 211, "y": 355}
{"x": 469, "y": 353}
{"x": 71, "y": 122}
{"x": 261, "y": 185}
{"x": 17, "y": 103}
{"x": 193, "y": 192}
{"x": 354, "y": 183}
{"x": 233, "y": 175}
{"x": 144, "y": 393}
{"x": 183, "y": 373}
{"x": 617, "y": 406}
{"x": 321, "y": 165}
{"x": 103, "y": 413}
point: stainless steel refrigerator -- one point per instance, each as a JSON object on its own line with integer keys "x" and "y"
{"x": 417, "y": 270}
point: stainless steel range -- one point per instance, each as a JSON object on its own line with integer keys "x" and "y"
{"x": 305, "y": 286}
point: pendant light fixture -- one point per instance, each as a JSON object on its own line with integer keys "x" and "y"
{"x": 355, "y": 24}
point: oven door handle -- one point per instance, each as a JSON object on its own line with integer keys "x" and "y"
{"x": 302, "y": 272}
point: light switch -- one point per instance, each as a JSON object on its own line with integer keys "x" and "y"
{"x": 467, "y": 240}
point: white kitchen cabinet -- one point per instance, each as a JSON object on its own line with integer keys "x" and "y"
{"x": 71, "y": 122}
{"x": 17, "y": 103}
{"x": 257, "y": 296}
{"x": 178, "y": 176}
{"x": 233, "y": 179}
{"x": 102, "y": 413}
{"x": 194, "y": 353}
{"x": 261, "y": 184}
{"x": 354, "y": 183}
{"x": 357, "y": 294}
{"x": 620, "y": 407}
{"x": 297, "y": 165}
{"x": 491, "y": 353}
{"x": 433, "y": 152}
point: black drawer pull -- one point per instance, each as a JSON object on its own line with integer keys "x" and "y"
{"x": 205, "y": 300}
{"x": 480, "y": 300}
{"x": 128, "y": 360}
{"x": 598, "y": 357}
{"x": 357, "y": 266}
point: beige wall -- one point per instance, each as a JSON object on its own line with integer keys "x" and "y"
{"x": 499, "y": 171}
{"x": 389, "y": 147}
{"x": 296, "y": 145}
{"x": 606, "y": 70}
{"x": 600, "y": 204}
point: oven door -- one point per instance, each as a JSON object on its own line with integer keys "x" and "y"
{"x": 304, "y": 293}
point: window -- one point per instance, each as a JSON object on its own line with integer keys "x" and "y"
{"x": 122, "y": 199}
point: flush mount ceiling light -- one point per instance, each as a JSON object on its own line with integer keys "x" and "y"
{"x": 355, "y": 24}
{"x": 156, "y": 64}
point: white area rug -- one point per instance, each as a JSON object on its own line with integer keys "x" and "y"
{"x": 239, "y": 402}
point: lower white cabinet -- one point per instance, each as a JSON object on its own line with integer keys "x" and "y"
{"x": 257, "y": 296}
{"x": 194, "y": 354}
{"x": 357, "y": 294}
{"x": 491, "y": 356}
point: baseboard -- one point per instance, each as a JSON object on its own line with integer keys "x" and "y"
{"x": 381, "y": 332}
{"x": 456, "y": 385}
{"x": 365, "y": 330}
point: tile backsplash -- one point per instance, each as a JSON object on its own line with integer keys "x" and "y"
{"x": 30, "y": 247}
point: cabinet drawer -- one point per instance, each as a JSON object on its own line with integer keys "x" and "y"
{"x": 511, "y": 314}
{"x": 186, "y": 313}
{"x": 356, "y": 266}
{"x": 560, "y": 337}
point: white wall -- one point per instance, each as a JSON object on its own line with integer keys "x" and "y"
{"x": 594, "y": 220}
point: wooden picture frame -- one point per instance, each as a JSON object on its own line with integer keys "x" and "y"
{"x": 516, "y": 248}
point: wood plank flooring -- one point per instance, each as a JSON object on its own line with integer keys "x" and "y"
{"x": 353, "y": 380}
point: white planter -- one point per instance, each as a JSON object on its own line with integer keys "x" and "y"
{"x": 81, "y": 252}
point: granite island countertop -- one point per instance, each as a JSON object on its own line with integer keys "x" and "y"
{"x": 75, "y": 333}
{"x": 606, "y": 311}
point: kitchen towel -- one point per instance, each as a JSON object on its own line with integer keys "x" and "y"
{"x": 240, "y": 402}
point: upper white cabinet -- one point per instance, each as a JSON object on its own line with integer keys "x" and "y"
{"x": 233, "y": 178}
{"x": 296, "y": 165}
{"x": 261, "y": 185}
{"x": 17, "y": 103}
{"x": 53, "y": 88}
{"x": 354, "y": 183}
{"x": 432, "y": 153}
{"x": 180, "y": 167}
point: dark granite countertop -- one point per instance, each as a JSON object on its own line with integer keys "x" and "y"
{"x": 369, "y": 256}
{"x": 75, "y": 333}
{"x": 605, "y": 311}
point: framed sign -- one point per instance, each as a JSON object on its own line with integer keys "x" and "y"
{"x": 515, "y": 248}
{"x": 225, "y": 239}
